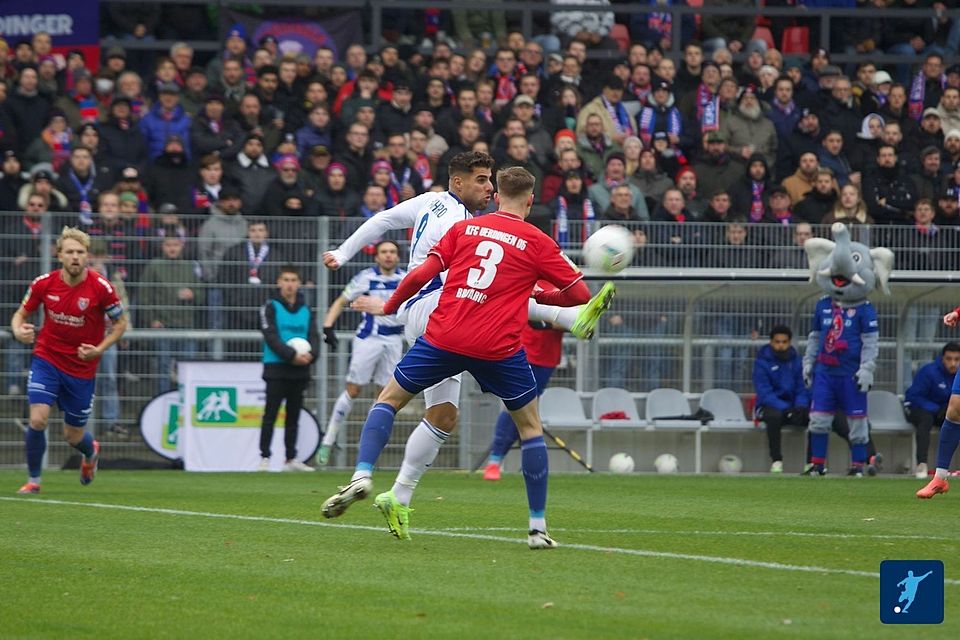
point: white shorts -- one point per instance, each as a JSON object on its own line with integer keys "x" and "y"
{"x": 414, "y": 321}
{"x": 374, "y": 358}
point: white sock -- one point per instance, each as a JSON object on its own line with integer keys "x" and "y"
{"x": 537, "y": 312}
{"x": 942, "y": 473}
{"x": 341, "y": 409}
{"x": 538, "y": 524}
{"x": 566, "y": 317}
{"x": 361, "y": 474}
{"x": 421, "y": 450}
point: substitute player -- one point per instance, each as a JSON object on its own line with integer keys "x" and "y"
{"x": 378, "y": 344}
{"x": 431, "y": 215}
{"x": 949, "y": 431}
{"x": 493, "y": 263}
{"x": 76, "y": 301}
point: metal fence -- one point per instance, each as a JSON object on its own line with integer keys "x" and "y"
{"x": 689, "y": 314}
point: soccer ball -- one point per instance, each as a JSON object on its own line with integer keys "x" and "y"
{"x": 730, "y": 464}
{"x": 300, "y": 345}
{"x": 621, "y": 463}
{"x": 666, "y": 463}
{"x": 609, "y": 249}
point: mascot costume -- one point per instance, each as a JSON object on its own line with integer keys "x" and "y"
{"x": 842, "y": 348}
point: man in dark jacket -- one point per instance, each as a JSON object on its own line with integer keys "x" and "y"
{"x": 927, "y": 397}
{"x": 715, "y": 170}
{"x": 28, "y": 108}
{"x": 888, "y": 191}
{"x": 211, "y": 132}
{"x": 252, "y": 171}
{"x": 244, "y": 270}
{"x": 782, "y": 398}
{"x": 286, "y": 367}
{"x": 819, "y": 201}
{"x": 356, "y": 156}
{"x": 120, "y": 139}
{"x": 80, "y": 183}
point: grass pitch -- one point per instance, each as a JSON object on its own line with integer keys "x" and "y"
{"x": 176, "y": 555}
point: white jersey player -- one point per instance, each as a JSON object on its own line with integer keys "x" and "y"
{"x": 378, "y": 343}
{"x": 431, "y": 215}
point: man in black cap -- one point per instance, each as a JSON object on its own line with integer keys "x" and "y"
{"x": 805, "y": 138}
{"x": 617, "y": 123}
{"x": 252, "y": 171}
{"x": 715, "y": 170}
{"x": 115, "y": 62}
{"x": 397, "y": 115}
{"x": 10, "y": 180}
{"x": 166, "y": 118}
{"x": 212, "y": 132}
{"x": 661, "y": 116}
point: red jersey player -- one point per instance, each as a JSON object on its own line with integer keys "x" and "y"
{"x": 68, "y": 347}
{"x": 492, "y": 264}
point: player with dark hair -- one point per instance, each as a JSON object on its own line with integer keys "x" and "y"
{"x": 76, "y": 303}
{"x": 493, "y": 264}
{"x": 431, "y": 215}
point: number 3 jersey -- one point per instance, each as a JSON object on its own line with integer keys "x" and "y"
{"x": 492, "y": 263}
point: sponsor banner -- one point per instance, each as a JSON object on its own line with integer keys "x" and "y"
{"x": 160, "y": 425}
{"x": 72, "y": 24}
{"x": 296, "y": 35}
{"x": 219, "y": 418}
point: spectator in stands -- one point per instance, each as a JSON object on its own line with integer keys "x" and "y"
{"x": 41, "y": 182}
{"x": 783, "y": 113}
{"x": 225, "y": 227}
{"x": 930, "y": 182}
{"x": 780, "y": 210}
{"x": 235, "y": 47}
{"x": 831, "y": 156}
{"x": 949, "y": 109}
{"x": 590, "y": 28}
{"x": 571, "y": 211}
{"x": 806, "y": 137}
{"x": 948, "y": 209}
{"x": 80, "y": 183}
{"x": 850, "y": 209}
{"x": 396, "y": 116}
{"x": 167, "y": 178}
{"x": 751, "y": 195}
{"x": 906, "y": 153}
{"x": 593, "y": 145}
{"x": 864, "y": 151}
{"x": 474, "y": 27}
{"x": 694, "y": 201}
{"x": 53, "y": 145}
{"x": 674, "y": 238}
{"x": 841, "y": 112}
{"x": 731, "y": 32}
{"x": 614, "y": 175}
{"x": 373, "y": 202}
{"x": 533, "y": 129}
{"x": 930, "y": 132}
{"x": 118, "y": 236}
{"x": 336, "y": 199}
{"x": 317, "y": 131}
{"x": 715, "y": 170}
{"x": 782, "y": 397}
{"x": 819, "y": 201}
{"x": 252, "y": 119}
{"x": 313, "y": 170}
{"x": 165, "y": 119}
{"x": 920, "y": 247}
{"x": 518, "y": 155}
{"x": 621, "y": 209}
{"x": 649, "y": 179}
{"x": 404, "y": 178}
{"x": 804, "y": 178}
{"x": 11, "y": 180}
{"x": 794, "y": 256}
{"x": 251, "y": 171}
{"x": 79, "y": 104}
{"x": 660, "y": 116}
{"x": 206, "y": 191}
{"x": 211, "y": 132}
{"x": 895, "y": 110}
{"x": 951, "y": 150}
{"x": 121, "y": 142}
{"x": 164, "y": 72}
{"x": 926, "y": 399}
{"x": 616, "y": 122}
{"x": 356, "y": 156}
{"x": 888, "y": 191}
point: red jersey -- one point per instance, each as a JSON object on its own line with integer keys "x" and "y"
{"x": 72, "y": 316}
{"x": 544, "y": 347}
{"x": 492, "y": 263}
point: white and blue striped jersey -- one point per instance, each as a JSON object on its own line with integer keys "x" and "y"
{"x": 430, "y": 215}
{"x": 374, "y": 283}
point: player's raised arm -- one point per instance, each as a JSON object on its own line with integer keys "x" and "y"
{"x": 413, "y": 282}
{"x": 402, "y": 216}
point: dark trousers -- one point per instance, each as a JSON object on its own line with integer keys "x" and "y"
{"x": 923, "y": 421}
{"x": 279, "y": 391}
{"x": 775, "y": 421}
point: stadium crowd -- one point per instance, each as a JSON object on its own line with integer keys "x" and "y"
{"x": 225, "y": 165}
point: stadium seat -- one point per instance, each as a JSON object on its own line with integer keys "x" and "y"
{"x": 727, "y": 410}
{"x": 664, "y": 403}
{"x": 795, "y": 40}
{"x": 562, "y": 410}
{"x": 612, "y": 400}
{"x": 886, "y": 416}
{"x": 764, "y": 33}
{"x": 620, "y": 35}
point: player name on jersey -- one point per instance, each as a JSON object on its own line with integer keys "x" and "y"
{"x": 495, "y": 234}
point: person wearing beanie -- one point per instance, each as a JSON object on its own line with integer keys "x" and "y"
{"x": 748, "y": 131}
{"x": 79, "y": 104}
{"x": 286, "y": 195}
{"x": 652, "y": 181}
{"x": 336, "y": 200}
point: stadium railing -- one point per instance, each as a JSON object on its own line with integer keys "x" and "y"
{"x": 675, "y": 323}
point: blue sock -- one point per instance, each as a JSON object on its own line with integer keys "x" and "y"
{"x": 535, "y": 473}
{"x": 858, "y": 454}
{"x": 504, "y": 435}
{"x": 36, "y": 445}
{"x": 818, "y": 447}
{"x": 85, "y": 446}
{"x": 949, "y": 439}
{"x": 375, "y": 434}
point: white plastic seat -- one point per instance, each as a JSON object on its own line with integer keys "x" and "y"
{"x": 613, "y": 399}
{"x": 885, "y": 412}
{"x": 562, "y": 410}
{"x": 727, "y": 410}
{"x": 662, "y": 403}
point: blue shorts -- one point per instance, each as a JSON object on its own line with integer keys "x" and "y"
{"x": 511, "y": 380}
{"x": 74, "y": 395}
{"x": 542, "y": 376}
{"x": 832, "y": 393}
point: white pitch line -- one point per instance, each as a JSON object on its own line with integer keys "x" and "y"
{"x": 772, "y": 534}
{"x": 469, "y": 536}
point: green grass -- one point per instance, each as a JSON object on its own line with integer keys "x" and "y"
{"x": 77, "y": 571}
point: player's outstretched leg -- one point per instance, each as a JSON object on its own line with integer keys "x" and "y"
{"x": 949, "y": 440}
{"x": 589, "y": 314}
{"x": 373, "y": 438}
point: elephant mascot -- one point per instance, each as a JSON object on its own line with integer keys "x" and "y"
{"x": 843, "y": 344}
